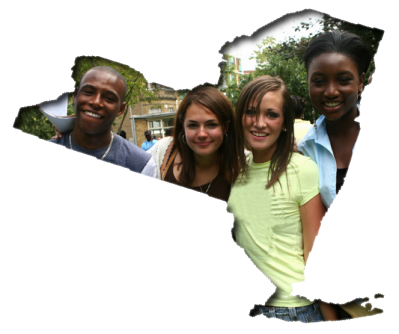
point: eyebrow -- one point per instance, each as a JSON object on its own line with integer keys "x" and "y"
{"x": 106, "y": 92}
{"x": 268, "y": 109}
{"x": 209, "y": 120}
{"x": 339, "y": 73}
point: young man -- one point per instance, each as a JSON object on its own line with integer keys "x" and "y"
{"x": 98, "y": 101}
{"x": 150, "y": 142}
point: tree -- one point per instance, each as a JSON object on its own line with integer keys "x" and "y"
{"x": 287, "y": 65}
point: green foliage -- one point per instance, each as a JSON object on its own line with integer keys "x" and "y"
{"x": 32, "y": 121}
{"x": 289, "y": 67}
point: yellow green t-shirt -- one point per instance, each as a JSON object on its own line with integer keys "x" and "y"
{"x": 267, "y": 223}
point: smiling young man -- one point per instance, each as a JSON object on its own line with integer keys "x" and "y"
{"x": 98, "y": 101}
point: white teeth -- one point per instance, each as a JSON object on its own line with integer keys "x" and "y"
{"x": 332, "y": 104}
{"x": 91, "y": 114}
{"x": 259, "y": 134}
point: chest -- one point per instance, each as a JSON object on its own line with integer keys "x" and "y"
{"x": 342, "y": 149}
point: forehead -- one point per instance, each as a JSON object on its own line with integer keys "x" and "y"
{"x": 332, "y": 63}
{"x": 199, "y": 112}
{"x": 271, "y": 100}
{"x": 103, "y": 80}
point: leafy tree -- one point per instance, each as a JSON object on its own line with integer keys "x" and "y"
{"x": 274, "y": 60}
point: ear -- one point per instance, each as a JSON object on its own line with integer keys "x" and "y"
{"x": 121, "y": 109}
{"x": 361, "y": 84}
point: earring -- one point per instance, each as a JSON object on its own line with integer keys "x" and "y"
{"x": 225, "y": 138}
{"x": 183, "y": 139}
{"x": 314, "y": 122}
{"x": 285, "y": 130}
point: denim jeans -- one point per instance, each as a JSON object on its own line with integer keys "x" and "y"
{"x": 309, "y": 313}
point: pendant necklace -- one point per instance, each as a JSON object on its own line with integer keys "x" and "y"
{"x": 106, "y": 152}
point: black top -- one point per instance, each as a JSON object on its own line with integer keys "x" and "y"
{"x": 341, "y": 173}
{"x": 219, "y": 188}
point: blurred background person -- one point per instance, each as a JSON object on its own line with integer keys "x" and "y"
{"x": 150, "y": 142}
{"x": 168, "y": 132}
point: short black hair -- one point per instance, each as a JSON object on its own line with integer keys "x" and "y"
{"x": 298, "y": 104}
{"x": 343, "y": 42}
{"x": 123, "y": 134}
{"x": 114, "y": 72}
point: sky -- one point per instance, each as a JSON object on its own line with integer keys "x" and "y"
{"x": 281, "y": 30}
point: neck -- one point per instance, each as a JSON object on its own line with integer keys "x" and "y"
{"x": 91, "y": 141}
{"x": 343, "y": 125}
{"x": 207, "y": 162}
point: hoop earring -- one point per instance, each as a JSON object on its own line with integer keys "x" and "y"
{"x": 225, "y": 138}
{"x": 183, "y": 139}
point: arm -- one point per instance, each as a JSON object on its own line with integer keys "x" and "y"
{"x": 312, "y": 213}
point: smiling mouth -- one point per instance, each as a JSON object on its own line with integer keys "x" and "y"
{"x": 259, "y": 134}
{"x": 332, "y": 104}
{"x": 88, "y": 113}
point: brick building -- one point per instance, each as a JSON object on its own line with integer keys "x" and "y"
{"x": 155, "y": 116}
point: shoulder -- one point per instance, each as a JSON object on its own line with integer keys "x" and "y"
{"x": 130, "y": 148}
{"x": 300, "y": 162}
{"x": 62, "y": 141}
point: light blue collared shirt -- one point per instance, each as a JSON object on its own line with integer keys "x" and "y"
{"x": 318, "y": 148}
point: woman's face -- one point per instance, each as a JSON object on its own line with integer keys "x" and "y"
{"x": 334, "y": 85}
{"x": 262, "y": 131}
{"x": 204, "y": 133}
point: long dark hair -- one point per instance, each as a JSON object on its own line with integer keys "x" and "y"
{"x": 253, "y": 93}
{"x": 214, "y": 100}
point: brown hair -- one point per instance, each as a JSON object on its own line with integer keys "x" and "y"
{"x": 253, "y": 92}
{"x": 214, "y": 100}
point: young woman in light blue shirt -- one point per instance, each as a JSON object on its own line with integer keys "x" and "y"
{"x": 336, "y": 63}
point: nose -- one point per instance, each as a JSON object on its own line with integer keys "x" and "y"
{"x": 260, "y": 122}
{"x": 202, "y": 132}
{"x": 95, "y": 101}
{"x": 331, "y": 90}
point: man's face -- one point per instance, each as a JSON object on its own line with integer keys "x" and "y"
{"x": 98, "y": 102}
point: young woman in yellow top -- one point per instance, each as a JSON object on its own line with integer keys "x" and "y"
{"x": 276, "y": 201}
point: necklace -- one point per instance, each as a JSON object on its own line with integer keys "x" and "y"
{"x": 201, "y": 187}
{"x": 106, "y": 152}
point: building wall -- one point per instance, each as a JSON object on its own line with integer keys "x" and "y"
{"x": 127, "y": 126}
{"x": 141, "y": 127}
{"x": 166, "y": 97}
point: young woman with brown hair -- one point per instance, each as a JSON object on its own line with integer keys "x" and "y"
{"x": 275, "y": 201}
{"x": 202, "y": 154}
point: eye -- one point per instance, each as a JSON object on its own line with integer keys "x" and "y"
{"x": 213, "y": 125}
{"x": 110, "y": 99}
{"x": 318, "y": 81}
{"x": 192, "y": 126}
{"x": 344, "y": 80}
{"x": 273, "y": 115}
{"x": 250, "y": 112}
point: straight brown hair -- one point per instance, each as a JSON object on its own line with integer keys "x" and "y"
{"x": 251, "y": 95}
{"x": 215, "y": 101}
